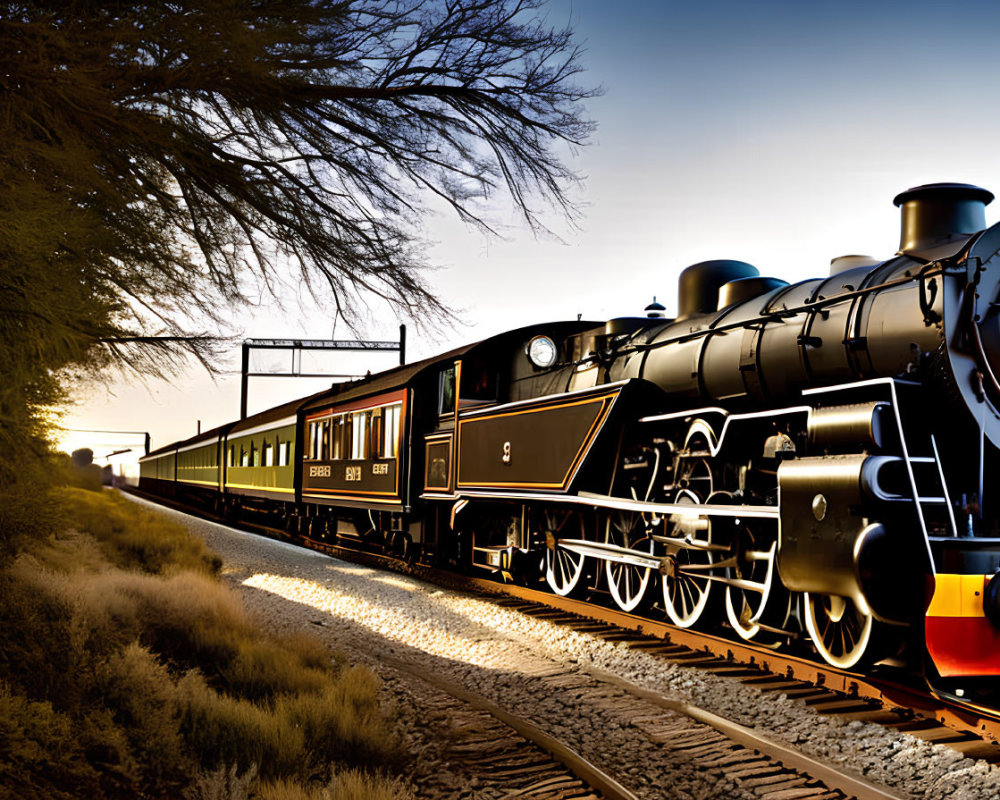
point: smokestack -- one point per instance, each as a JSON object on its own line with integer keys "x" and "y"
{"x": 939, "y": 213}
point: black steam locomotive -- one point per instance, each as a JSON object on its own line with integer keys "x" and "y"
{"x": 798, "y": 463}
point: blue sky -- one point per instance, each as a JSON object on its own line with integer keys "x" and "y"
{"x": 771, "y": 132}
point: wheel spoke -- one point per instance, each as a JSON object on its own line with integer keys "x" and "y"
{"x": 753, "y": 592}
{"x": 840, "y": 631}
{"x": 627, "y": 583}
{"x": 686, "y": 596}
{"x": 564, "y": 569}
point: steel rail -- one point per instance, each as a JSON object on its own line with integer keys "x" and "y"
{"x": 788, "y": 757}
{"x": 583, "y": 768}
{"x": 892, "y": 694}
{"x": 961, "y": 716}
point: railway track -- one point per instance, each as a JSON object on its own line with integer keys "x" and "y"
{"x": 509, "y": 752}
{"x": 755, "y": 765}
{"x": 972, "y": 730}
{"x": 751, "y": 761}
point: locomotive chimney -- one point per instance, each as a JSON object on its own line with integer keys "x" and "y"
{"x": 940, "y": 213}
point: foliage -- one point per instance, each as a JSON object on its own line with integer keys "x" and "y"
{"x": 83, "y": 457}
{"x": 163, "y": 162}
{"x": 156, "y": 155}
{"x": 116, "y": 684}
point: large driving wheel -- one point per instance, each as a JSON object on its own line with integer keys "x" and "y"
{"x": 686, "y": 573}
{"x": 841, "y": 632}
{"x": 627, "y": 582}
{"x": 695, "y": 476}
{"x": 755, "y": 596}
{"x": 564, "y": 569}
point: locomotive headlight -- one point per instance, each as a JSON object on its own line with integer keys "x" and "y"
{"x": 541, "y": 352}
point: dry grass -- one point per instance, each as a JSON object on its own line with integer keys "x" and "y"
{"x": 134, "y": 538}
{"x": 155, "y": 681}
{"x": 349, "y": 785}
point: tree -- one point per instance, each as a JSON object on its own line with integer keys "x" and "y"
{"x": 162, "y": 156}
{"x": 161, "y": 161}
{"x": 82, "y": 457}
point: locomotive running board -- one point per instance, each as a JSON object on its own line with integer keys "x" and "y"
{"x": 690, "y": 510}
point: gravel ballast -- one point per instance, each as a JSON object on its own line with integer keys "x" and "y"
{"x": 535, "y": 668}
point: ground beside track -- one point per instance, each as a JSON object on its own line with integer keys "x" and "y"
{"x": 520, "y": 662}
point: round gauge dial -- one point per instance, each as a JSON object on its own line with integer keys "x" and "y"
{"x": 542, "y": 352}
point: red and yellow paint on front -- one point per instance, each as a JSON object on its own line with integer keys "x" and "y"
{"x": 960, "y": 639}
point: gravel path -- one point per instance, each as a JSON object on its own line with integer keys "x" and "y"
{"x": 538, "y": 669}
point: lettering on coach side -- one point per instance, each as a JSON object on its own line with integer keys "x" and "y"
{"x": 352, "y": 473}
{"x": 319, "y": 471}
{"x": 380, "y": 469}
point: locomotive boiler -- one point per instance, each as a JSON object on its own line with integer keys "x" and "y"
{"x": 805, "y": 465}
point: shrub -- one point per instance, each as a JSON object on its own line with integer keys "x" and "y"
{"x": 117, "y": 684}
{"x": 146, "y": 705}
{"x": 356, "y": 785}
{"x": 344, "y": 721}
{"x": 41, "y": 756}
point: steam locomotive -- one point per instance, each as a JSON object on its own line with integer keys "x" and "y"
{"x": 804, "y": 465}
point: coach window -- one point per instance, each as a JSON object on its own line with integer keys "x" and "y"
{"x": 359, "y": 434}
{"x": 244, "y": 457}
{"x": 314, "y": 440}
{"x": 282, "y": 454}
{"x": 324, "y": 444}
{"x": 375, "y": 434}
{"x": 348, "y": 437}
{"x": 337, "y": 434}
{"x": 253, "y": 454}
{"x": 391, "y": 430}
{"x": 268, "y": 454}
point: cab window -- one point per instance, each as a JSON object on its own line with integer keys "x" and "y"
{"x": 446, "y": 391}
{"x": 479, "y": 385}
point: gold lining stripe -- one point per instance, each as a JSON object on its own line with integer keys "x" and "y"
{"x": 437, "y": 440}
{"x": 348, "y": 492}
{"x": 606, "y": 401}
{"x": 261, "y": 488}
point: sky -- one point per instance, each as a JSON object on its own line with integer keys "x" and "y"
{"x": 775, "y": 133}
